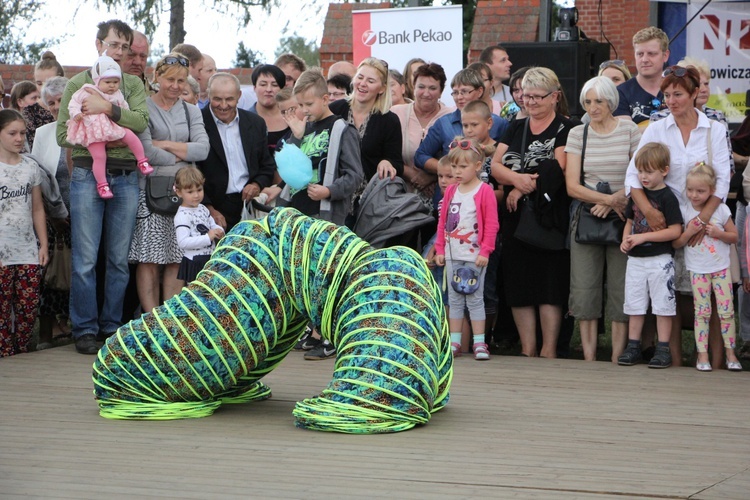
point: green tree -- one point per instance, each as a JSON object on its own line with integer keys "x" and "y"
{"x": 146, "y": 13}
{"x": 246, "y": 58}
{"x": 15, "y": 16}
{"x": 299, "y": 46}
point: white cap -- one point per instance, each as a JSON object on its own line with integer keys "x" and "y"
{"x": 105, "y": 67}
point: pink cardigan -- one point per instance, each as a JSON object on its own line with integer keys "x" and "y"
{"x": 487, "y": 219}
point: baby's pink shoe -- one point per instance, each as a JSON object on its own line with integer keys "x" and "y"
{"x": 145, "y": 167}
{"x": 104, "y": 191}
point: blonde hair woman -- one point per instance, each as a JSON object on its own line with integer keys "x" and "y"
{"x": 175, "y": 136}
{"x": 368, "y": 109}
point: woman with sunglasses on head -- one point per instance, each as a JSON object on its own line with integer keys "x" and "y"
{"x": 535, "y": 279}
{"x": 616, "y": 70}
{"x": 175, "y": 137}
{"x": 368, "y": 109}
{"x": 691, "y": 138}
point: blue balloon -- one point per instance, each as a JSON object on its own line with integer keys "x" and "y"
{"x": 294, "y": 167}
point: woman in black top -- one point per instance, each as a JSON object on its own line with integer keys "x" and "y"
{"x": 368, "y": 109}
{"x": 535, "y": 279}
{"x": 268, "y": 80}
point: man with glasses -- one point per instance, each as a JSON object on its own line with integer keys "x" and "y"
{"x": 641, "y": 96}
{"x": 92, "y": 217}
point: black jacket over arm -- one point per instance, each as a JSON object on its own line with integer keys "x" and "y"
{"x": 260, "y": 164}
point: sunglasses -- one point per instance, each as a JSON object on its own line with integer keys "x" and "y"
{"x": 464, "y": 144}
{"x": 677, "y": 71}
{"x": 612, "y": 62}
{"x": 172, "y": 60}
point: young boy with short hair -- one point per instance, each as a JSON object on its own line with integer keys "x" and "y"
{"x": 312, "y": 134}
{"x": 329, "y": 194}
{"x": 650, "y": 258}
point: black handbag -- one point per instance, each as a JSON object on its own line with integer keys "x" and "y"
{"x": 530, "y": 229}
{"x": 593, "y": 230}
{"x": 531, "y": 232}
{"x": 160, "y": 196}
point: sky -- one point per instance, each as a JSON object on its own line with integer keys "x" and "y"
{"x": 211, "y": 32}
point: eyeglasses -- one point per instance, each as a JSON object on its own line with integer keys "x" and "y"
{"x": 462, "y": 93}
{"x": 464, "y": 144}
{"x": 677, "y": 71}
{"x": 337, "y": 95}
{"x": 612, "y": 62}
{"x": 534, "y": 98}
{"x": 116, "y": 45}
{"x": 516, "y": 91}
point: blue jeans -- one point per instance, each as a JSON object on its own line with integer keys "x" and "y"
{"x": 90, "y": 217}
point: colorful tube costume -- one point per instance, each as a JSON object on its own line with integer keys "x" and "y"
{"x": 267, "y": 279}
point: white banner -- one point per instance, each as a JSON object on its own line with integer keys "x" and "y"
{"x": 434, "y": 34}
{"x": 720, "y": 35}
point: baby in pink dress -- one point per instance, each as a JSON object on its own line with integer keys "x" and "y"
{"x": 95, "y": 131}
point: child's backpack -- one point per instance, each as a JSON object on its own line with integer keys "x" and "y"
{"x": 387, "y": 210}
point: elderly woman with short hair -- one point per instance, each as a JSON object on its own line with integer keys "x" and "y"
{"x": 609, "y": 146}
{"x": 53, "y": 307}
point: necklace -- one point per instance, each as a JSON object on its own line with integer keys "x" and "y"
{"x": 425, "y": 117}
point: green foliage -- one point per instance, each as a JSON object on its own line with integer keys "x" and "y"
{"x": 15, "y": 16}
{"x": 147, "y": 13}
{"x": 299, "y": 46}
{"x": 246, "y": 58}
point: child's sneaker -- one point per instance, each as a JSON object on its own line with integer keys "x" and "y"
{"x": 481, "y": 351}
{"x": 302, "y": 343}
{"x": 456, "y": 349}
{"x": 324, "y": 350}
{"x": 145, "y": 167}
{"x": 662, "y": 358}
{"x": 631, "y": 356}
{"x": 104, "y": 192}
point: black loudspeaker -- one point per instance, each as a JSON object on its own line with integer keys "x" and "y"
{"x": 574, "y": 63}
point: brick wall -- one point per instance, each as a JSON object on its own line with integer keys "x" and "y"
{"x": 503, "y": 21}
{"x": 620, "y": 21}
{"x": 336, "y": 44}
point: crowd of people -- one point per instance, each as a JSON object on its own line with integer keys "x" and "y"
{"x": 541, "y": 218}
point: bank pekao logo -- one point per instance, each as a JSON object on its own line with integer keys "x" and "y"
{"x": 369, "y": 37}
